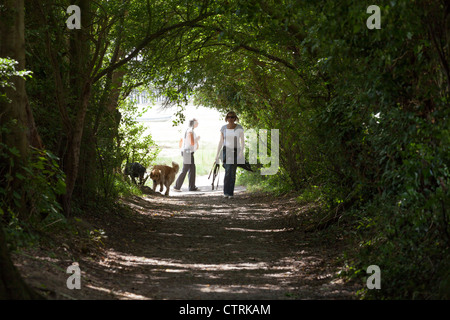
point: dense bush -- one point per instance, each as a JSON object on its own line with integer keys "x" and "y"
{"x": 363, "y": 119}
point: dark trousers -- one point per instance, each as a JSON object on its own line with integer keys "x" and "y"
{"x": 230, "y": 179}
{"x": 187, "y": 168}
{"x": 230, "y": 170}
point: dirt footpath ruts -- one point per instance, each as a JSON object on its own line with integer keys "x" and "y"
{"x": 198, "y": 245}
{"x": 203, "y": 246}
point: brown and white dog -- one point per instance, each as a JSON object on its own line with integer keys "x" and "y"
{"x": 164, "y": 176}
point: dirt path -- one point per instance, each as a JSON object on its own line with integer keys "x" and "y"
{"x": 203, "y": 246}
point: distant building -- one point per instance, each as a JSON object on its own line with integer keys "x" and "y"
{"x": 144, "y": 99}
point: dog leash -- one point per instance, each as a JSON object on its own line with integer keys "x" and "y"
{"x": 218, "y": 177}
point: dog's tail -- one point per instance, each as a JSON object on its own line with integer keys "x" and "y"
{"x": 175, "y": 166}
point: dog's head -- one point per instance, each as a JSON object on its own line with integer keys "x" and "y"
{"x": 155, "y": 174}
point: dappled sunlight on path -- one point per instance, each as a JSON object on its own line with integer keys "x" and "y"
{"x": 204, "y": 246}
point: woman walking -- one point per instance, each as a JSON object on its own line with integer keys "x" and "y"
{"x": 188, "y": 145}
{"x": 231, "y": 144}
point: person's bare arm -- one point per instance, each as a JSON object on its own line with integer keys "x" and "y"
{"x": 219, "y": 147}
{"x": 241, "y": 145}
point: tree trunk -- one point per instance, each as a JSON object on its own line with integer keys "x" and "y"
{"x": 72, "y": 160}
{"x": 12, "y": 45}
{"x": 12, "y": 286}
{"x": 13, "y": 114}
{"x": 80, "y": 85}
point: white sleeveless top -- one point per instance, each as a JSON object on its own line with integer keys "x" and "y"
{"x": 231, "y": 136}
{"x": 187, "y": 142}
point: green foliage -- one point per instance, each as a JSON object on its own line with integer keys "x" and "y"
{"x": 363, "y": 114}
{"x": 41, "y": 182}
{"x": 124, "y": 188}
{"x": 388, "y": 131}
{"x": 311, "y": 195}
{"x": 34, "y": 182}
{"x": 277, "y": 184}
{"x": 136, "y": 145}
{"x": 363, "y": 119}
{"x": 8, "y": 71}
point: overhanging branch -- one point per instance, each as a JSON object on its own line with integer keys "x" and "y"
{"x": 146, "y": 41}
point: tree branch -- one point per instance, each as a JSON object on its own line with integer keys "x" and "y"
{"x": 146, "y": 41}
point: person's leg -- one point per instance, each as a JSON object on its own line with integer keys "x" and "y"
{"x": 181, "y": 177}
{"x": 191, "y": 176}
{"x": 232, "y": 179}
{"x": 227, "y": 179}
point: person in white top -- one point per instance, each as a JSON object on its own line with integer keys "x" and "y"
{"x": 188, "y": 144}
{"x": 231, "y": 144}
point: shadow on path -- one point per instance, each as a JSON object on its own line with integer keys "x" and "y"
{"x": 203, "y": 246}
